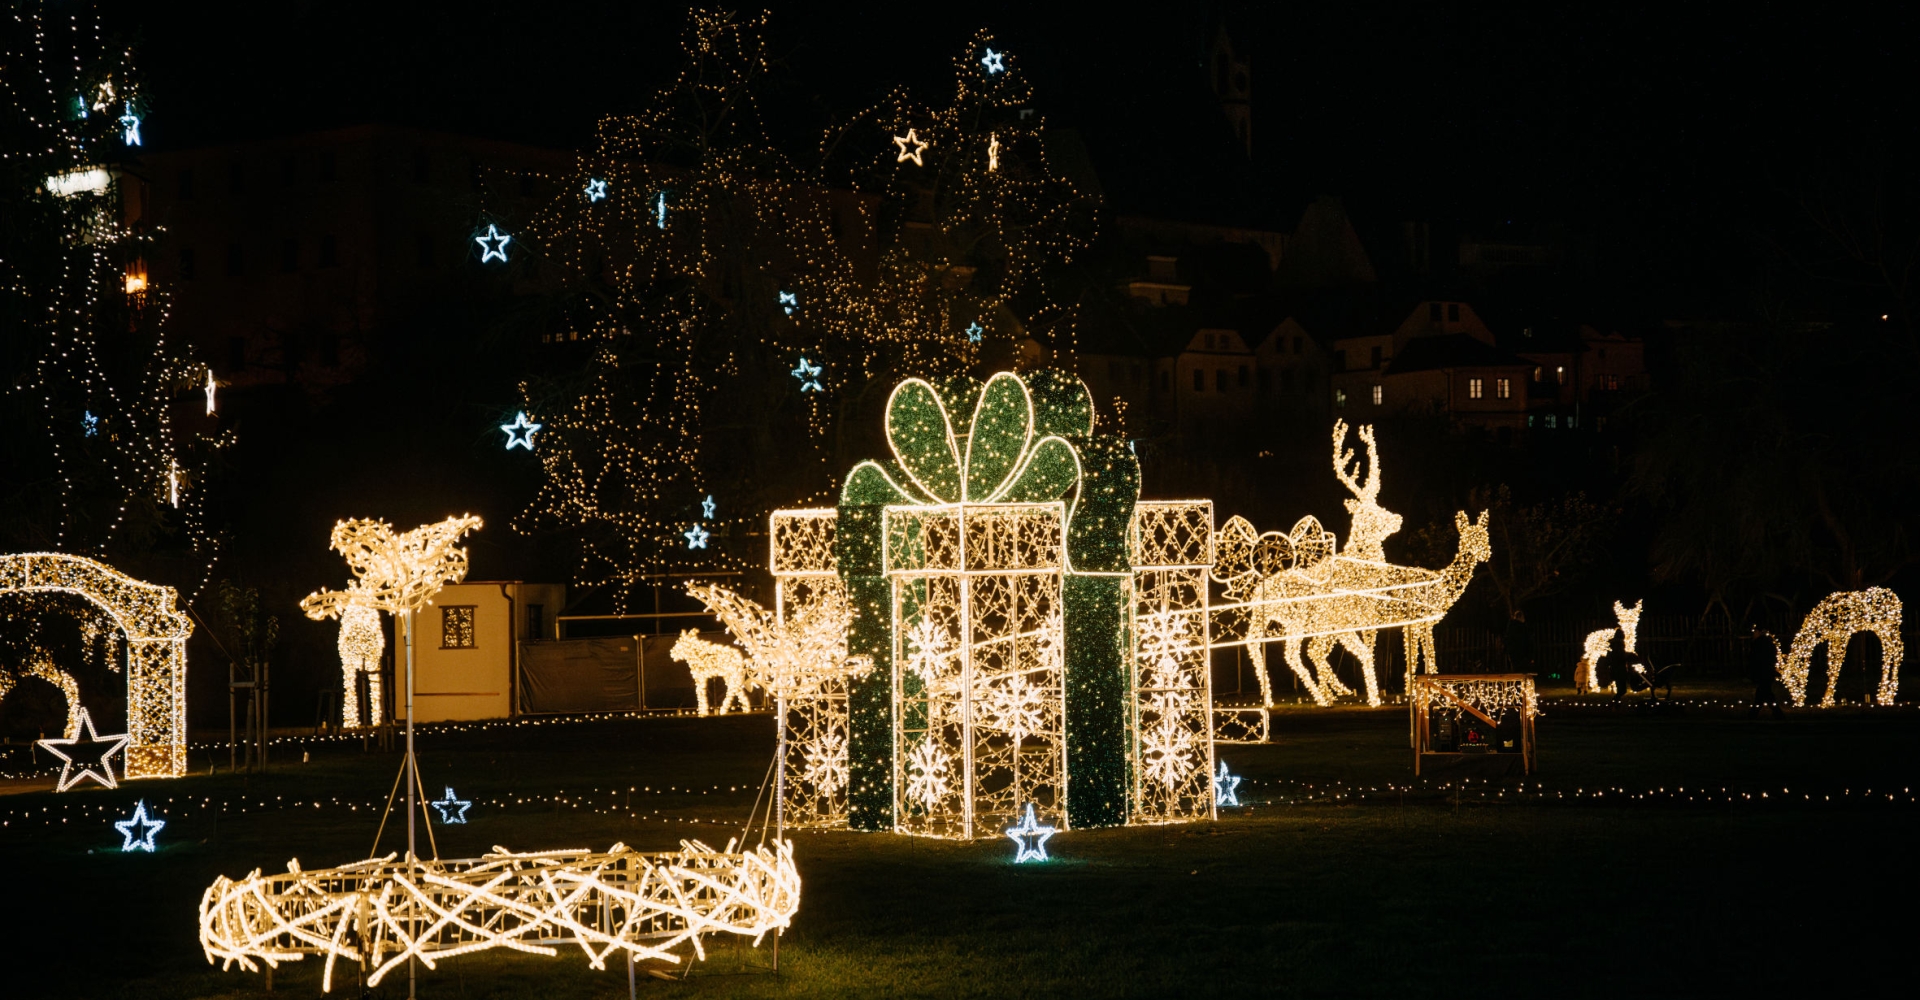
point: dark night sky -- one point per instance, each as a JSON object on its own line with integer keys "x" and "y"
{"x": 1669, "y": 139}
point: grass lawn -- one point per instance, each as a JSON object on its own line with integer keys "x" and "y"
{"x": 1343, "y": 874}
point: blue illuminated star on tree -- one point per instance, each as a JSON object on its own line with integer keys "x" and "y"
{"x": 493, "y": 246}
{"x": 974, "y": 330}
{"x": 660, "y": 210}
{"x": 809, "y": 376}
{"x": 696, "y": 537}
{"x": 707, "y": 505}
{"x": 789, "y": 302}
{"x": 1030, "y": 838}
{"x": 520, "y": 432}
{"x": 91, "y": 422}
{"x": 139, "y": 831}
{"x": 994, "y": 62}
{"x": 596, "y": 189}
{"x": 452, "y": 810}
{"x": 1225, "y": 787}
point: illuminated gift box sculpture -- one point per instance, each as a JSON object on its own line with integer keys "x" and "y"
{"x": 1037, "y": 635}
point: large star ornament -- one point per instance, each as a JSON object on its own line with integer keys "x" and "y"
{"x": 1225, "y": 786}
{"x": 789, "y": 302}
{"x": 596, "y": 190}
{"x": 452, "y": 810}
{"x": 809, "y": 376}
{"x": 994, "y": 62}
{"x": 911, "y": 147}
{"x": 93, "y": 754}
{"x": 1030, "y": 838}
{"x": 138, "y": 832}
{"x": 974, "y": 330}
{"x": 520, "y": 432}
{"x": 696, "y": 537}
{"x": 493, "y": 246}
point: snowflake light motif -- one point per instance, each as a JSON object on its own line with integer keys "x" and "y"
{"x": 1165, "y": 750}
{"x": 927, "y": 774}
{"x": 826, "y": 768}
{"x": 926, "y": 652}
{"x": 1014, "y": 707}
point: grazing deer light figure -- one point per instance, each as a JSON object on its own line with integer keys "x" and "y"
{"x": 707, "y": 660}
{"x": 1834, "y": 621}
{"x": 1585, "y": 678}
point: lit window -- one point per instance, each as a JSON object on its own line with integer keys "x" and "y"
{"x": 456, "y": 627}
{"x": 1475, "y": 388}
{"x": 1377, "y": 397}
{"x": 1503, "y": 388}
{"x": 1340, "y": 397}
{"x": 1550, "y": 420}
{"x": 1560, "y": 375}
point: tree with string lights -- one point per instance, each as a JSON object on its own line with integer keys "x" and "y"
{"x": 739, "y": 313}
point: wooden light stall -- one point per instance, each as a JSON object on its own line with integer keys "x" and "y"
{"x": 1461, "y": 715}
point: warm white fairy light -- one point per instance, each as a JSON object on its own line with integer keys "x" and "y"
{"x": 1834, "y": 621}
{"x": 40, "y": 664}
{"x": 210, "y": 390}
{"x": 452, "y": 809}
{"x": 993, "y": 153}
{"x": 395, "y": 573}
{"x": 1629, "y": 619}
{"x": 156, "y": 637}
{"x": 708, "y": 661}
{"x": 810, "y": 603}
{"x": 361, "y": 643}
{"x": 381, "y": 913}
{"x": 1030, "y": 838}
{"x": 1586, "y": 672}
{"x": 912, "y": 147}
{"x": 1296, "y": 588}
{"x": 95, "y": 763}
{"x": 137, "y": 832}
{"x": 1170, "y": 547}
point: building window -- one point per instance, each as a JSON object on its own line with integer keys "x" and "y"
{"x": 290, "y": 255}
{"x": 536, "y": 621}
{"x": 1199, "y": 380}
{"x": 1475, "y": 388}
{"x": 1220, "y": 379}
{"x": 1453, "y": 312}
{"x": 329, "y": 251}
{"x": 1340, "y": 398}
{"x": 1560, "y": 375}
{"x": 1550, "y": 421}
{"x": 1378, "y": 396}
{"x": 1539, "y": 374}
{"x": 456, "y": 627}
{"x": 1243, "y": 376}
{"x": 186, "y": 263}
{"x": 1503, "y": 388}
{"x": 186, "y": 184}
{"x": 1373, "y": 357}
{"x": 1209, "y": 341}
{"x": 236, "y": 260}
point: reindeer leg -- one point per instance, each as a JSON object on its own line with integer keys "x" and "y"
{"x": 700, "y": 692}
{"x": 1317, "y": 649}
{"x": 1360, "y": 644}
{"x": 1890, "y": 651}
{"x": 1290, "y": 648}
{"x": 1836, "y": 655}
{"x": 1257, "y": 652}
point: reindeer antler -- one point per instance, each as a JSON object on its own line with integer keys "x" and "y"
{"x": 1343, "y": 456}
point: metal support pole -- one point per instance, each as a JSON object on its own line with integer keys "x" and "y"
{"x": 779, "y": 795}
{"x": 413, "y": 776}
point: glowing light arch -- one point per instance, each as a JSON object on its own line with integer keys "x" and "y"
{"x": 156, "y": 634}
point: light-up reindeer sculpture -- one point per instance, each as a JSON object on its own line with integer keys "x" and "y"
{"x": 398, "y": 574}
{"x": 362, "y": 640}
{"x": 708, "y": 660}
{"x": 1834, "y": 621}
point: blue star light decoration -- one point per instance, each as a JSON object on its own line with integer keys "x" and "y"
{"x": 130, "y": 124}
{"x": 789, "y": 302}
{"x": 1225, "y": 787}
{"x": 1031, "y": 838}
{"x": 994, "y": 62}
{"x": 660, "y": 210}
{"x": 809, "y": 376}
{"x": 974, "y": 330}
{"x": 91, "y": 422}
{"x": 706, "y": 506}
{"x": 493, "y": 246}
{"x": 138, "y": 832}
{"x": 520, "y": 432}
{"x": 452, "y": 810}
{"x": 596, "y": 189}
{"x": 696, "y": 537}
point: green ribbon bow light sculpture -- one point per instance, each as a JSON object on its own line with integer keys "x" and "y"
{"x": 1020, "y": 438}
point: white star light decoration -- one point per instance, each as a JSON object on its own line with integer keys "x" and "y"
{"x": 95, "y": 763}
{"x": 696, "y": 537}
{"x": 660, "y": 210}
{"x": 91, "y": 422}
{"x": 809, "y": 376}
{"x": 210, "y": 389}
{"x": 1226, "y": 787}
{"x": 789, "y": 302}
{"x": 131, "y": 123}
{"x": 520, "y": 432}
{"x": 994, "y": 62}
{"x": 707, "y": 505}
{"x": 1030, "y": 838}
{"x": 493, "y": 246}
{"x": 911, "y": 147}
{"x": 974, "y": 330}
{"x": 452, "y": 810}
{"x": 596, "y": 190}
{"x": 139, "y": 831}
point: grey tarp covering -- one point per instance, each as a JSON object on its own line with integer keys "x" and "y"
{"x": 599, "y": 675}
